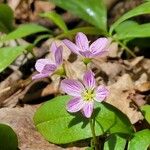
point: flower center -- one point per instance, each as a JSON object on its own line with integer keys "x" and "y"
{"x": 86, "y": 60}
{"x": 60, "y": 71}
{"x": 88, "y": 95}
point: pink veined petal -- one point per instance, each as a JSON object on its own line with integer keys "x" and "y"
{"x": 82, "y": 41}
{"x": 99, "y": 45}
{"x": 99, "y": 53}
{"x": 72, "y": 87}
{"x": 58, "y": 56}
{"x": 40, "y": 64}
{"x": 39, "y": 76}
{"x": 86, "y": 54}
{"x": 88, "y": 109}
{"x": 53, "y": 47}
{"x": 75, "y": 104}
{"x": 48, "y": 68}
{"x": 89, "y": 80}
{"x": 71, "y": 46}
{"x": 101, "y": 93}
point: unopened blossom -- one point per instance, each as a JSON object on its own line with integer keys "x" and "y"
{"x": 82, "y": 47}
{"x": 83, "y": 94}
{"x": 46, "y": 67}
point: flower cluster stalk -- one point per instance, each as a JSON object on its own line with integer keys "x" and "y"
{"x": 92, "y": 126}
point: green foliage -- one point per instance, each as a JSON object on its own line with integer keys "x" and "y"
{"x": 41, "y": 37}
{"x": 115, "y": 142}
{"x": 141, "y": 140}
{"x": 86, "y": 30}
{"x": 146, "y": 111}
{"x": 6, "y": 18}
{"x": 133, "y": 31}
{"x": 92, "y": 11}
{"x": 141, "y": 9}
{"x": 57, "y": 19}
{"x": 24, "y": 30}
{"x": 58, "y": 126}
{"x": 8, "y": 138}
{"x": 125, "y": 25}
{"x": 9, "y": 54}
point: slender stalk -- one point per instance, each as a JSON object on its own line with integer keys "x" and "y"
{"x": 125, "y": 47}
{"x": 92, "y": 126}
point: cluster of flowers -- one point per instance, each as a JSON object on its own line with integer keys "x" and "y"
{"x": 83, "y": 93}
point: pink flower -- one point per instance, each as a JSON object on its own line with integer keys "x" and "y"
{"x": 45, "y": 67}
{"x": 83, "y": 94}
{"x": 81, "y": 46}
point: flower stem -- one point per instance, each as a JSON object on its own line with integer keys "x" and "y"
{"x": 125, "y": 47}
{"x": 92, "y": 126}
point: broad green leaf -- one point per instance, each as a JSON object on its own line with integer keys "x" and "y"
{"x": 8, "y": 138}
{"x": 115, "y": 142}
{"x": 146, "y": 111}
{"x": 92, "y": 11}
{"x": 57, "y": 19}
{"x": 134, "y": 31}
{"x": 125, "y": 25}
{"x": 139, "y": 10}
{"x": 24, "y": 30}
{"x": 8, "y": 55}
{"x": 140, "y": 141}
{"x": 58, "y": 126}
{"x": 86, "y": 30}
{"x": 6, "y": 18}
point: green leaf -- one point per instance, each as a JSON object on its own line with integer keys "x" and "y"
{"x": 8, "y": 138}
{"x": 141, "y": 140}
{"x": 58, "y": 126}
{"x": 6, "y": 18}
{"x": 41, "y": 37}
{"x": 86, "y": 30}
{"x": 125, "y": 25}
{"x": 57, "y": 19}
{"x": 133, "y": 31}
{"x": 92, "y": 11}
{"x": 115, "y": 142}
{"x": 146, "y": 111}
{"x": 9, "y": 54}
{"x": 141, "y": 9}
{"x": 24, "y": 30}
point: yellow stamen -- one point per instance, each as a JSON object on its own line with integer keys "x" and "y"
{"x": 88, "y": 95}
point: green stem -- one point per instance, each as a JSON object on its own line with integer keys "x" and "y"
{"x": 125, "y": 47}
{"x": 92, "y": 126}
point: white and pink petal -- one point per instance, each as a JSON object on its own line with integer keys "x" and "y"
{"x": 39, "y": 76}
{"x": 74, "y": 48}
{"x": 72, "y": 87}
{"x": 99, "y": 45}
{"x": 75, "y": 104}
{"x": 86, "y": 54}
{"x": 82, "y": 41}
{"x": 58, "y": 55}
{"x": 88, "y": 109}
{"x": 53, "y": 47}
{"x": 49, "y": 68}
{"x": 40, "y": 64}
{"x": 101, "y": 93}
{"x": 100, "y": 53}
{"x": 89, "y": 80}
